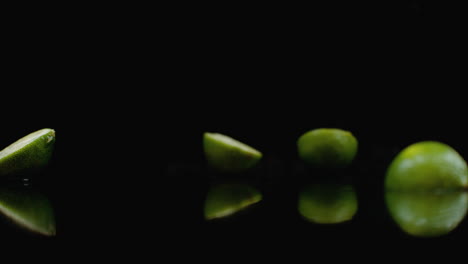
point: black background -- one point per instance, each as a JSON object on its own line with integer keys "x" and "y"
{"x": 130, "y": 93}
{"x": 381, "y": 71}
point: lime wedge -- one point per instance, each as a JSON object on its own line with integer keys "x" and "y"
{"x": 327, "y": 147}
{"x": 227, "y": 154}
{"x": 28, "y": 154}
{"x": 427, "y": 166}
{"x": 226, "y": 199}
{"x": 29, "y": 210}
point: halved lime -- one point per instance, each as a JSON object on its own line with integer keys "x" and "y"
{"x": 28, "y": 209}
{"x": 226, "y": 199}
{"x": 227, "y": 154}
{"x": 327, "y": 147}
{"x": 427, "y": 166}
{"x": 28, "y": 154}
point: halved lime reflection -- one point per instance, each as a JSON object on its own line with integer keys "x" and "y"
{"x": 427, "y": 214}
{"x": 226, "y": 199}
{"x": 328, "y": 203}
{"x": 28, "y": 209}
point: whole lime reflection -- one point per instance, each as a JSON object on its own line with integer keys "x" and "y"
{"x": 28, "y": 209}
{"x": 328, "y": 203}
{"x": 427, "y": 214}
{"x": 226, "y": 199}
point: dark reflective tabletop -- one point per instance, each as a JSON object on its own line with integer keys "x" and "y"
{"x": 283, "y": 203}
{"x": 265, "y": 85}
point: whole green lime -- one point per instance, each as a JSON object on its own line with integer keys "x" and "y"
{"x": 427, "y": 166}
{"x": 327, "y": 147}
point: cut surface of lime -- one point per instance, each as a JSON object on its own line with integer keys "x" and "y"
{"x": 327, "y": 147}
{"x": 427, "y": 166}
{"x": 28, "y": 154}
{"x": 227, "y": 154}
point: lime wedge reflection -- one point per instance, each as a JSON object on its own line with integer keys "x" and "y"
{"x": 427, "y": 214}
{"x": 28, "y": 209}
{"x": 328, "y": 203}
{"x": 226, "y": 199}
